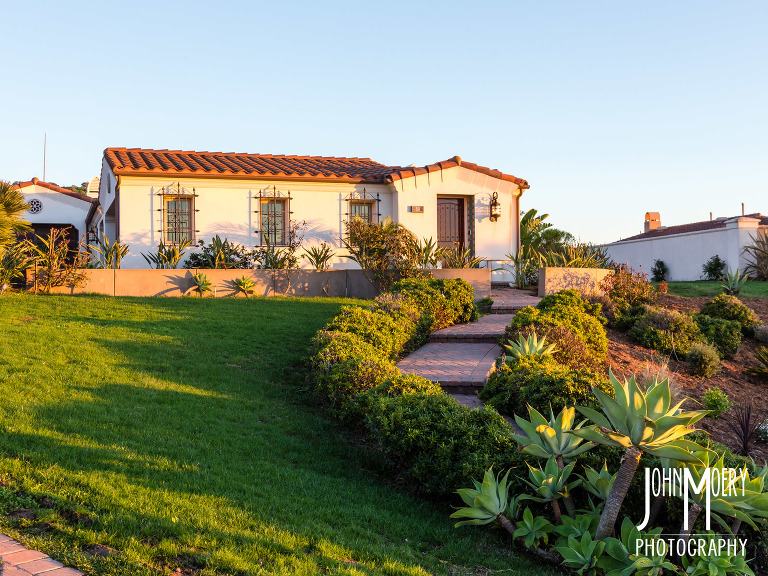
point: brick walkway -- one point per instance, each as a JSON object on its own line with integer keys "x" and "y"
{"x": 488, "y": 329}
{"x": 507, "y": 300}
{"x": 19, "y": 561}
{"x": 460, "y": 368}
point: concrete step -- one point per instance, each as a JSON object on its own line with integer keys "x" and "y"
{"x": 488, "y": 329}
{"x": 460, "y": 367}
{"x": 509, "y": 300}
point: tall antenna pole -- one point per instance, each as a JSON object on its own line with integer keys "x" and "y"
{"x": 45, "y": 143}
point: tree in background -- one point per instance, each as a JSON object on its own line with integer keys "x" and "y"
{"x": 12, "y": 206}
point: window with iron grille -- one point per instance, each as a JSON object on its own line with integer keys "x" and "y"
{"x": 361, "y": 209}
{"x": 179, "y": 213}
{"x": 274, "y": 212}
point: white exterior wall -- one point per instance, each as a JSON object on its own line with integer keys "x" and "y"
{"x": 493, "y": 240}
{"x": 58, "y": 208}
{"x": 228, "y": 208}
{"x": 685, "y": 254}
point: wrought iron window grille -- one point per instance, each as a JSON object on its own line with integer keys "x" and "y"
{"x": 177, "y": 224}
{"x": 271, "y": 220}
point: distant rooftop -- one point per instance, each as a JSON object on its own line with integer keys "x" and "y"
{"x": 693, "y": 227}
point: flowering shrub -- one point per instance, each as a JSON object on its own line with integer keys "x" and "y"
{"x": 627, "y": 288}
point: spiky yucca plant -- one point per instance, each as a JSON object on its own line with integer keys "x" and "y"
{"x": 638, "y": 422}
{"x": 762, "y": 357}
{"x": 530, "y": 346}
{"x": 734, "y": 282}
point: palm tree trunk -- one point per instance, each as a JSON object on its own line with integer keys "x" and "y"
{"x": 658, "y": 504}
{"x": 556, "y": 511}
{"x": 629, "y": 464}
{"x": 693, "y": 513}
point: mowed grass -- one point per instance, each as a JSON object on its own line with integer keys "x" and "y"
{"x": 705, "y": 288}
{"x": 176, "y": 432}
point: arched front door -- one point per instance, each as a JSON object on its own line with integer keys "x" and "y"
{"x": 450, "y": 222}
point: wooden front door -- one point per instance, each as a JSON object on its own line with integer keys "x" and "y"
{"x": 450, "y": 222}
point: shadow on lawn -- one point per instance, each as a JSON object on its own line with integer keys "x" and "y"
{"x": 205, "y": 415}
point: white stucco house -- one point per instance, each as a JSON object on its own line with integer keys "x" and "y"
{"x": 685, "y": 248}
{"x": 147, "y": 196}
{"x": 52, "y": 206}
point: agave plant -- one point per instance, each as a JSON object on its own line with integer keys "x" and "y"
{"x": 319, "y": 256}
{"x": 582, "y": 555}
{"x": 244, "y": 285}
{"x": 429, "y": 253}
{"x": 550, "y": 438}
{"x": 550, "y": 484}
{"x": 486, "y": 502}
{"x": 622, "y": 555}
{"x": 598, "y": 483}
{"x": 716, "y": 561}
{"x": 576, "y": 527}
{"x": 639, "y": 422}
{"x": 111, "y": 254}
{"x": 762, "y": 357}
{"x": 202, "y": 283}
{"x": 532, "y": 530}
{"x": 734, "y": 282}
{"x": 530, "y": 346}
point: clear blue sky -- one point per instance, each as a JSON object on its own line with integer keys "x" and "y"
{"x": 609, "y": 109}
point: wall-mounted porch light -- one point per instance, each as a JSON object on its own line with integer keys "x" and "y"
{"x": 495, "y": 207}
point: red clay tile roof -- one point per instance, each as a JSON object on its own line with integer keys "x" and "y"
{"x": 694, "y": 227}
{"x": 54, "y": 188}
{"x": 410, "y": 172}
{"x": 141, "y": 162}
{"x": 145, "y": 162}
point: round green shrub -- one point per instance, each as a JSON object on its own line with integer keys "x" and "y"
{"x": 725, "y": 335}
{"x": 445, "y": 302}
{"x": 541, "y": 382}
{"x": 386, "y": 334}
{"x": 703, "y": 360}
{"x": 438, "y": 444}
{"x": 408, "y": 384}
{"x": 731, "y": 308}
{"x": 717, "y": 401}
{"x": 665, "y": 330}
{"x": 580, "y": 337}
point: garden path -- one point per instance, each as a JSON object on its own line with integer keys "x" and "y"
{"x": 461, "y": 357}
{"x": 17, "y": 560}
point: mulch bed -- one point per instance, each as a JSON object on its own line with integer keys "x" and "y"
{"x": 626, "y": 357}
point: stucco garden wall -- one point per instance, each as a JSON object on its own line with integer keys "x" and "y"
{"x": 685, "y": 254}
{"x": 338, "y": 283}
{"x": 586, "y": 280}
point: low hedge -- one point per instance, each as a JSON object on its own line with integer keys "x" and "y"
{"x": 541, "y": 382}
{"x": 439, "y": 444}
{"x": 444, "y": 301}
{"x": 387, "y": 334}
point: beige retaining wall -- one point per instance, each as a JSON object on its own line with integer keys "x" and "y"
{"x": 336, "y": 283}
{"x": 586, "y": 280}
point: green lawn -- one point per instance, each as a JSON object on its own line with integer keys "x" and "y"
{"x": 176, "y": 431}
{"x": 704, "y": 288}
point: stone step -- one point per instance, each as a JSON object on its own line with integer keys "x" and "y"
{"x": 488, "y": 329}
{"x": 459, "y": 367}
{"x": 509, "y": 300}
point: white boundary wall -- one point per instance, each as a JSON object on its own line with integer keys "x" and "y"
{"x": 685, "y": 254}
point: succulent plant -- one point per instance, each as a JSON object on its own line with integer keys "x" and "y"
{"x": 530, "y": 346}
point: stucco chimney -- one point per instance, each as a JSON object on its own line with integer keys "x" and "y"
{"x": 652, "y": 221}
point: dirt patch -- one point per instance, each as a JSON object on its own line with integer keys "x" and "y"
{"x": 626, "y": 357}
{"x": 100, "y": 550}
{"x": 22, "y": 514}
{"x": 73, "y": 517}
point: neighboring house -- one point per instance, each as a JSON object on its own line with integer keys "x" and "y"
{"x": 52, "y": 206}
{"x": 149, "y": 196}
{"x": 687, "y": 247}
